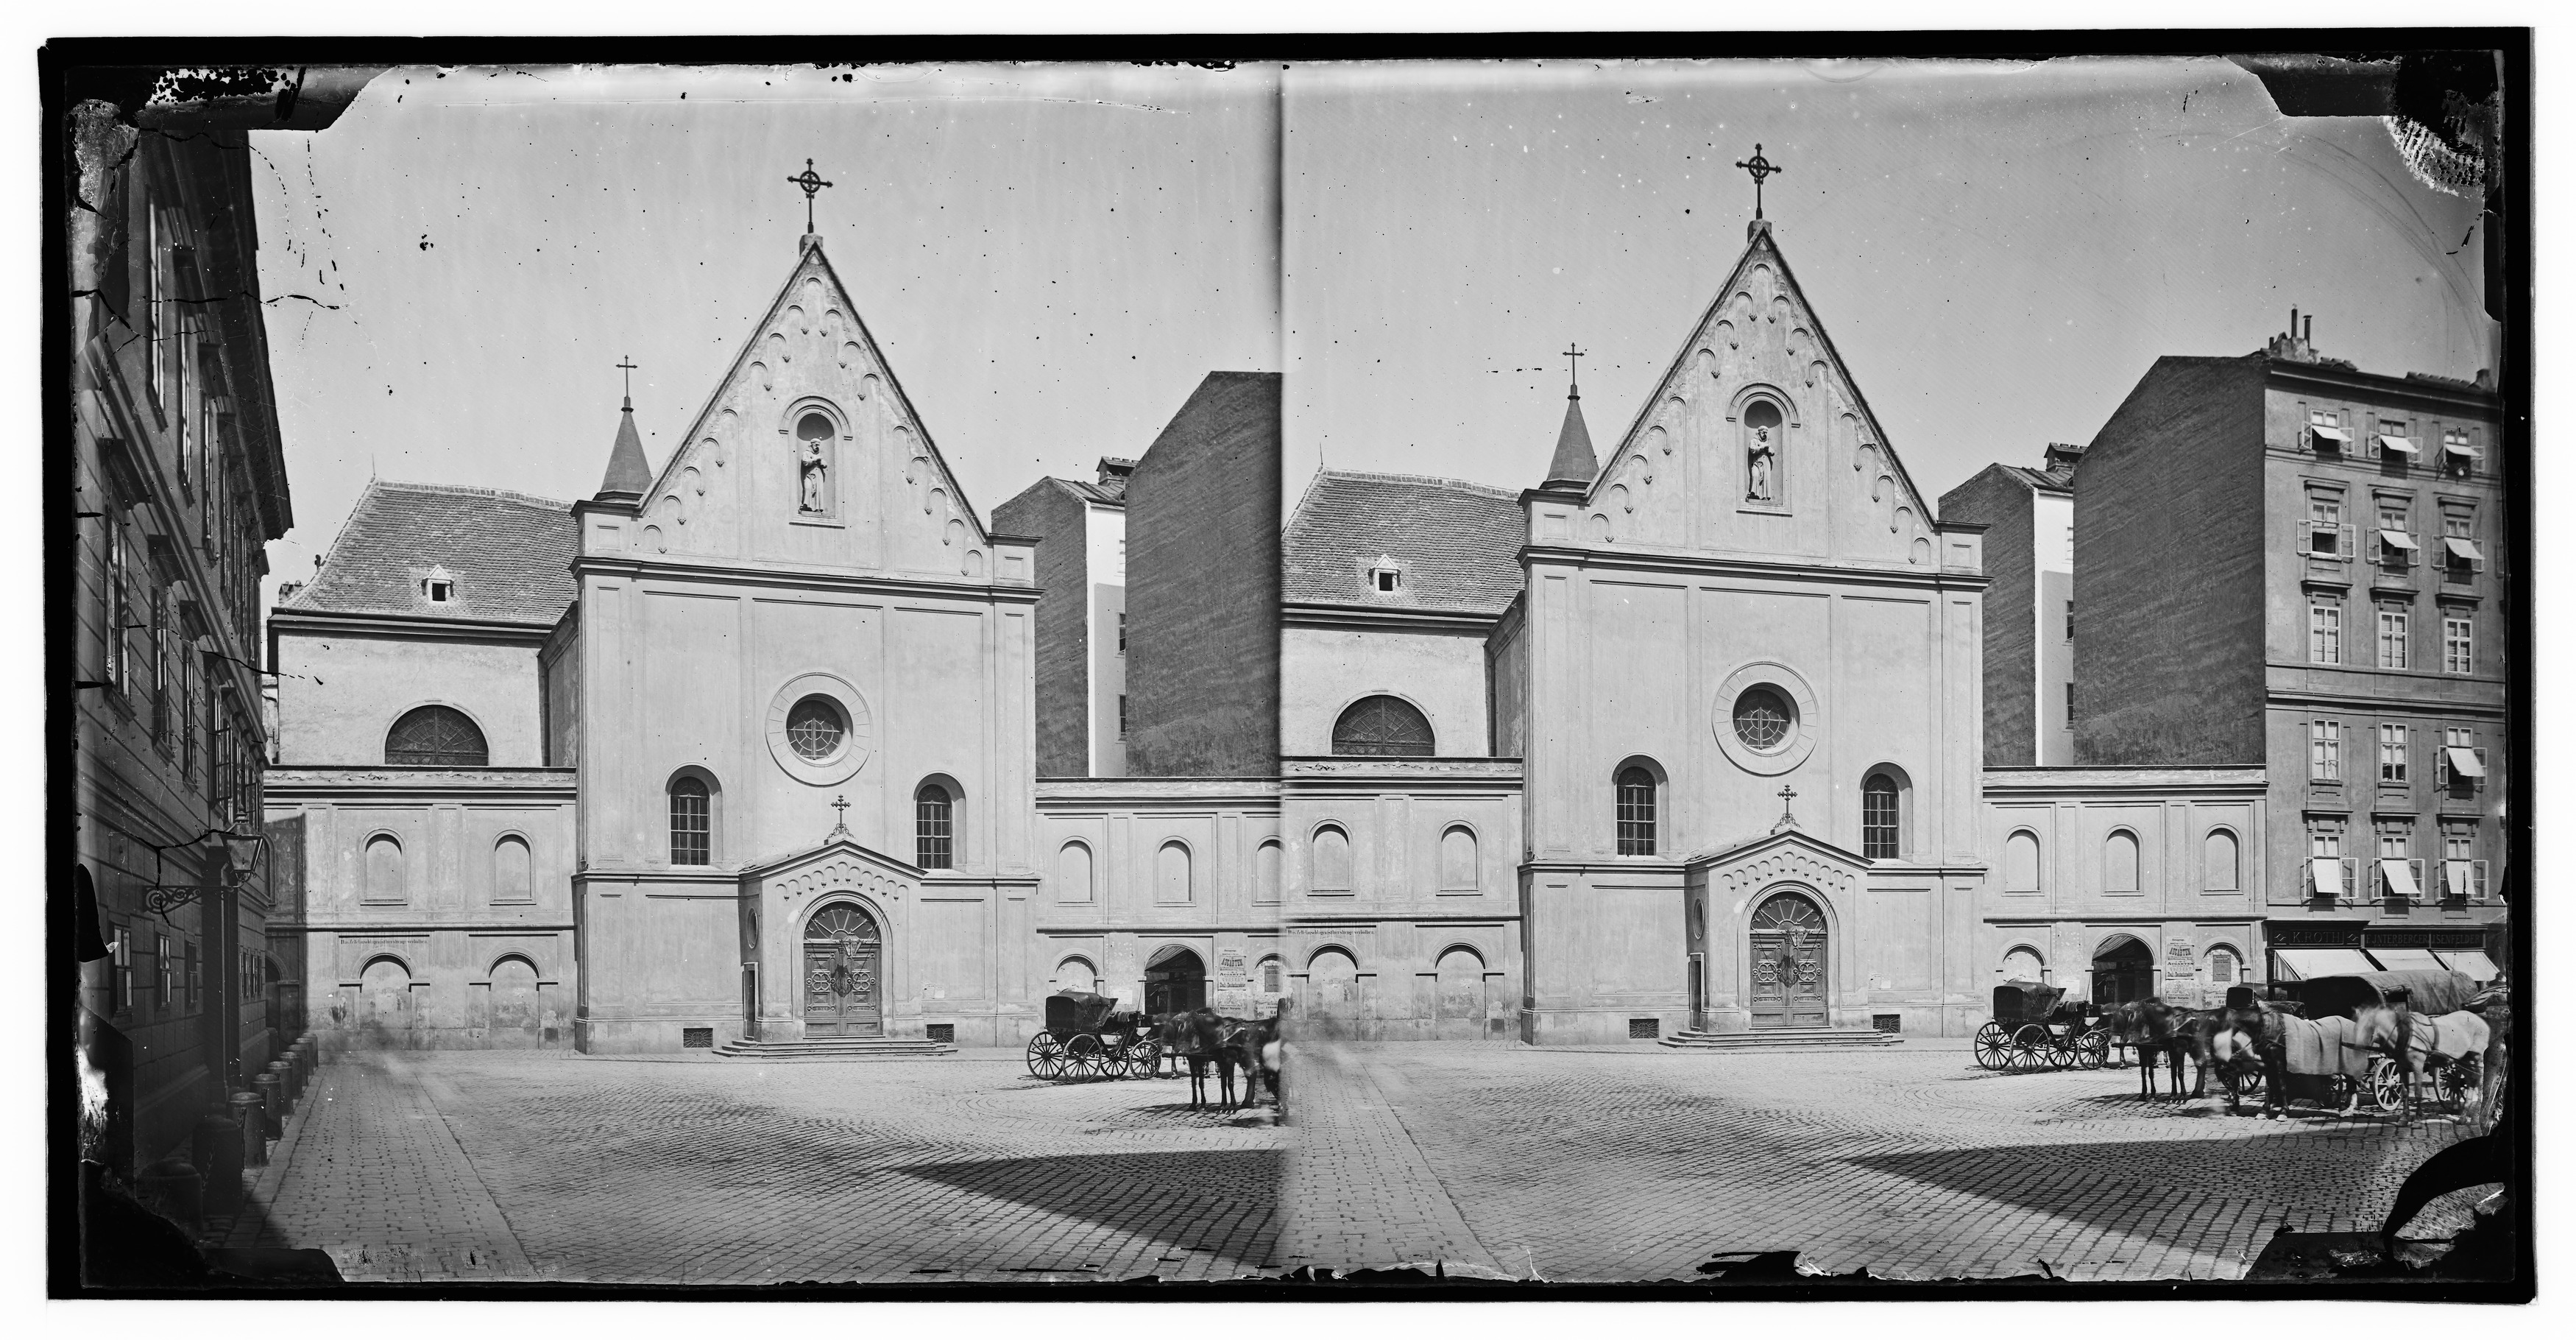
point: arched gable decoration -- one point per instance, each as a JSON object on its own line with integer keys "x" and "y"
{"x": 1382, "y": 726}
{"x": 435, "y": 736}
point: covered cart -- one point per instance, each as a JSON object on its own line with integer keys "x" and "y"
{"x": 1086, "y": 1037}
{"x": 2035, "y": 1026}
{"x": 2324, "y": 1061}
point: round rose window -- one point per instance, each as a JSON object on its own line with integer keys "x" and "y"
{"x": 1763, "y": 719}
{"x": 815, "y": 728}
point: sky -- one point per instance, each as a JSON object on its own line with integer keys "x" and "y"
{"x": 1053, "y": 256}
{"x": 1051, "y": 259}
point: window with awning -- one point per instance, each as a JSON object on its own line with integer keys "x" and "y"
{"x": 2325, "y": 875}
{"x": 2458, "y": 879}
{"x": 2397, "y": 539}
{"x": 2399, "y": 879}
{"x": 2470, "y": 963}
{"x": 2300, "y": 965}
{"x": 2463, "y": 552}
{"x": 2464, "y": 763}
{"x": 2326, "y": 432}
{"x": 2391, "y": 442}
{"x": 2406, "y": 960}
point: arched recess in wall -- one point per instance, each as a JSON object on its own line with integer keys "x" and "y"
{"x": 1333, "y": 981}
{"x": 384, "y": 993}
{"x": 384, "y": 871}
{"x": 513, "y": 871}
{"x": 2226, "y": 964}
{"x": 514, "y": 987}
{"x": 1460, "y": 977}
{"x": 2021, "y": 862}
{"x": 1076, "y": 973}
{"x": 1458, "y": 872}
{"x": 1172, "y": 872}
{"x": 1332, "y": 847}
{"x": 2220, "y": 871}
{"x": 2120, "y": 862}
{"x": 1383, "y": 726}
{"x": 1266, "y": 861}
{"x": 2024, "y": 964}
{"x": 1073, "y": 873}
{"x": 435, "y": 736}
{"x": 1272, "y": 975}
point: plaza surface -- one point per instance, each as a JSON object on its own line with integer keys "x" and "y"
{"x": 1493, "y": 1160}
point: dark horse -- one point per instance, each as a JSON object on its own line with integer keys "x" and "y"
{"x": 1199, "y": 1037}
{"x": 2155, "y": 1028}
{"x": 1264, "y": 1057}
{"x": 2250, "y": 1037}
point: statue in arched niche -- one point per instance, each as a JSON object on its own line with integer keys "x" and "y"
{"x": 1762, "y": 452}
{"x": 814, "y": 465}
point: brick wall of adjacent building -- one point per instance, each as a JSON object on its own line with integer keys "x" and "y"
{"x": 1203, "y": 586}
{"x": 1999, "y": 500}
{"x": 1051, "y": 515}
{"x": 2169, "y": 571}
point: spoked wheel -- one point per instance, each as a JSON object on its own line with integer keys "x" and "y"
{"x": 2387, "y": 1085}
{"x": 2030, "y": 1047}
{"x": 1046, "y": 1056}
{"x": 2061, "y": 1050}
{"x": 1144, "y": 1056}
{"x": 1993, "y": 1052}
{"x": 1084, "y": 1056}
{"x": 2093, "y": 1049}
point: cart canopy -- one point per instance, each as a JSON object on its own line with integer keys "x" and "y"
{"x": 2432, "y": 993}
{"x": 1069, "y": 1012}
{"x": 2026, "y": 1002}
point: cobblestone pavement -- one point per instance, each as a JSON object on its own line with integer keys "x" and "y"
{"x": 1492, "y": 1160}
{"x": 1641, "y": 1163}
{"x": 515, "y": 1166}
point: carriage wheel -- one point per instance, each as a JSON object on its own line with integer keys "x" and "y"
{"x": 1144, "y": 1056}
{"x": 1992, "y": 1051}
{"x": 2093, "y": 1049}
{"x": 2061, "y": 1050}
{"x": 1046, "y": 1056}
{"x": 2030, "y": 1045}
{"x": 1083, "y": 1055}
{"x": 2387, "y": 1085}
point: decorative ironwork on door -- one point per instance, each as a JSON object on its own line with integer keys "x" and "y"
{"x": 842, "y": 991}
{"x": 1788, "y": 942}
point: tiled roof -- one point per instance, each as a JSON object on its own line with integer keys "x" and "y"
{"x": 1454, "y": 542}
{"x": 2060, "y": 479}
{"x": 510, "y": 555}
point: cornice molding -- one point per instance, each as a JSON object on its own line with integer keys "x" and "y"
{"x": 639, "y": 569}
{"x": 1712, "y": 565}
{"x": 424, "y": 628}
{"x": 1384, "y": 619}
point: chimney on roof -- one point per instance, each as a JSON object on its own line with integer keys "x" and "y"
{"x": 2063, "y": 454}
{"x": 1114, "y": 471}
{"x": 628, "y": 476}
{"x": 2291, "y": 345}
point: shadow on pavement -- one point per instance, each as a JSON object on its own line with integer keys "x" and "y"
{"x": 1225, "y": 1200}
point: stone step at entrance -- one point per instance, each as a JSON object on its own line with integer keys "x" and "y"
{"x": 836, "y": 1049}
{"x": 1782, "y": 1039}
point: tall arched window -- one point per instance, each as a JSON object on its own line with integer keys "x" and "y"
{"x": 1383, "y": 727}
{"x": 511, "y": 870}
{"x": 1458, "y": 858}
{"x": 692, "y": 826}
{"x": 934, "y": 827}
{"x": 1265, "y": 872}
{"x": 1073, "y": 873}
{"x": 1636, "y": 812}
{"x": 1172, "y": 873}
{"x": 1332, "y": 860}
{"x": 1878, "y": 817}
{"x": 435, "y": 737}
{"x": 2218, "y": 861}
{"x": 2021, "y": 862}
{"x": 385, "y": 872}
{"x": 2120, "y": 862}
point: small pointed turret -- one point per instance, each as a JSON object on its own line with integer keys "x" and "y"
{"x": 629, "y": 477}
{"x": 1574, "y": 465}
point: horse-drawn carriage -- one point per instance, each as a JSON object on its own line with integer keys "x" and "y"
{"x": 2327, "y": 1060}
{"x": 1087, "y": 1037}
{"x": 2036, "y": 1027}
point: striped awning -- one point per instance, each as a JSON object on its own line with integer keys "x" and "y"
{"x": 2463, "y": 549}
{"x": 2329, "y": 432}
{"x": 2303, "y": 964}
{"x": 2463, "y": 450}
{"x": 2464, "y": 763}
{"x": 2398, "y": 538}
{"x": 2400, "y": 878}
{"x": 2325, "y": 875}
{"x": 2470, "y": 963}
{"x": 2392, "y": 442}
{"x": 2406, "y": 960}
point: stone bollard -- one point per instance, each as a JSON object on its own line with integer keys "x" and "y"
{"x": 272, "y": 1104}
{"x": 287, "y": 1088}
{"x": 215, "y": 1147}
{"x": 171, "y": 1186}
{"x": 254, "y": 1129}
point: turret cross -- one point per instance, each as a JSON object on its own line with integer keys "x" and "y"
{"x": 812, "y": 183}
{"x": 1571, "y": 367}
{"x": 628, "y": 362}
{"x": 1760, "y": 167}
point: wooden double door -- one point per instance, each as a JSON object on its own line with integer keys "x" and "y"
{"x": 1789, "y": 964}
{"x": 844, "y": 989}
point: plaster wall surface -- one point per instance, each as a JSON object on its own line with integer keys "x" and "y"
{"x": 340, "y": 692}
{"x": 1323, "y": 670}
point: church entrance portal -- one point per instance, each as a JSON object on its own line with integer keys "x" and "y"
{"x": 2123, "y": 970}
{"x": 843, "y": 994}
{"x": 1175, "y": 981}
{"x": 1788, "y": 963}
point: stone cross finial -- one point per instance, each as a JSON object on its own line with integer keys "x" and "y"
{"x": 1786, "y": 793}
{"x": 812, "y": 183}
{"x": 840, "y": 818}
{"x": 1760, "y": 167}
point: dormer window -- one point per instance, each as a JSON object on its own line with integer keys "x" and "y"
{"x": 1386, "y": 581}
{"x": 438, "y": 588}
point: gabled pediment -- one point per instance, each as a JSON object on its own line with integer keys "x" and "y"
{"x": 744, "y": 482}
{"x": 837, "y": 864}
{"x": 1790, "y": 844}
{"x": 1809, "y": 476}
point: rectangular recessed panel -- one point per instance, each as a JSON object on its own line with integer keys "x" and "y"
{"x": 697, "y": 1037}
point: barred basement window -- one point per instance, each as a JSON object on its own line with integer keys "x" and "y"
{"x": 691, "y": 834}
{"x": 1636, "y": 812}
{"x": 934, "y": 827}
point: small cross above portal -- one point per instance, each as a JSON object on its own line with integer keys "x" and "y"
{"x": 1786, "y": 793}
{"x": 840, "y": 818}
{"x": 1760, "y": 167}
{"x": 812, "y": 183}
